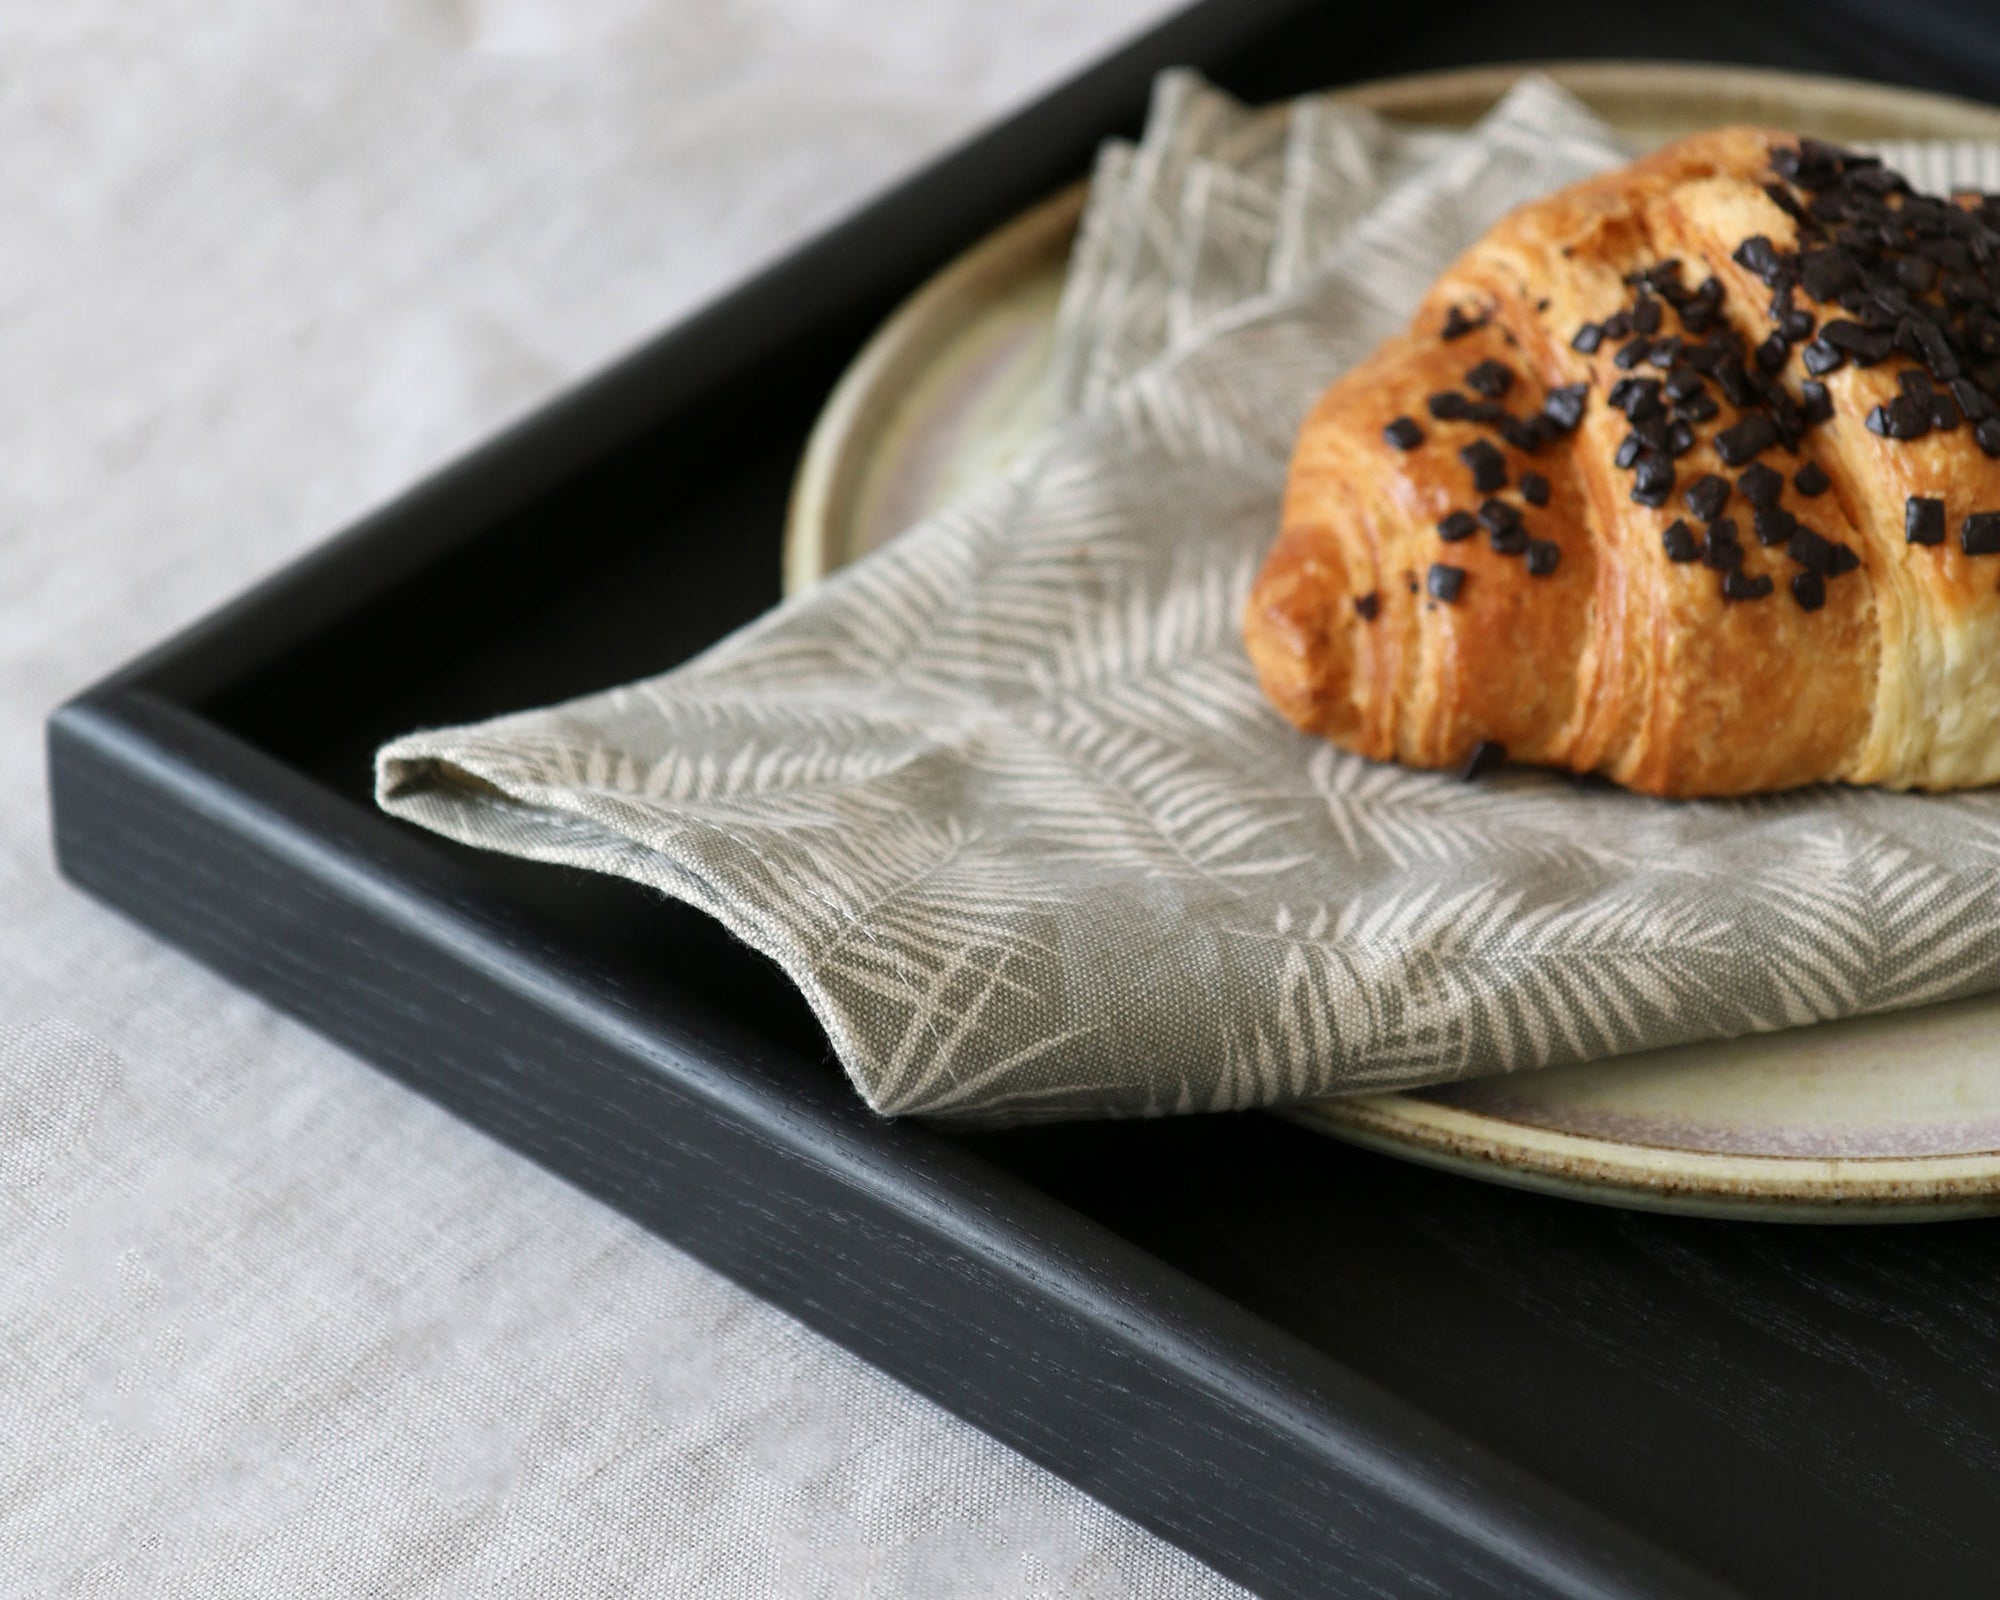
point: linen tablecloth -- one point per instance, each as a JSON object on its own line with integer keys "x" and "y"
{"x": 270, "y": 1325}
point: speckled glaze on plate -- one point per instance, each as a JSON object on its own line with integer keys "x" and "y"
{"x": 1878, "y": 1119}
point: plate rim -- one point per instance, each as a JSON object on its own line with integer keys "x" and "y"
{"x": 866, "y": 389}
{"x": 1650, "y": 1177}
{"x": 1602, "y": 1170}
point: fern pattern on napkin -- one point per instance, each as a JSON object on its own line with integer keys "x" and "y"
{"x": 1004, "y": 799}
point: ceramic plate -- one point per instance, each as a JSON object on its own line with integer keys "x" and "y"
{"x": 1877, "y": 1119}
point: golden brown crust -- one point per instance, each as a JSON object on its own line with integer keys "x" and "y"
{"x": 1621, "y": 661}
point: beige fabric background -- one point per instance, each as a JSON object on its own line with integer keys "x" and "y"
{"x": 270, "y": 1326}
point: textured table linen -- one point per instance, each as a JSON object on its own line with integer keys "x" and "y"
{"x": 270, "y": 1325}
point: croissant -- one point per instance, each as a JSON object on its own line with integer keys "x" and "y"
{"x": 1685, "y": 475}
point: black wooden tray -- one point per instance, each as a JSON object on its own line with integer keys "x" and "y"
{"x": 1319, "y": 1370}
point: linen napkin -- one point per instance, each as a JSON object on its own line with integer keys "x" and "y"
{"x": 1004, "y": 799}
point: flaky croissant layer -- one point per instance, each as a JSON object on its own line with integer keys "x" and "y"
{"x": 1685, "y": 475}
